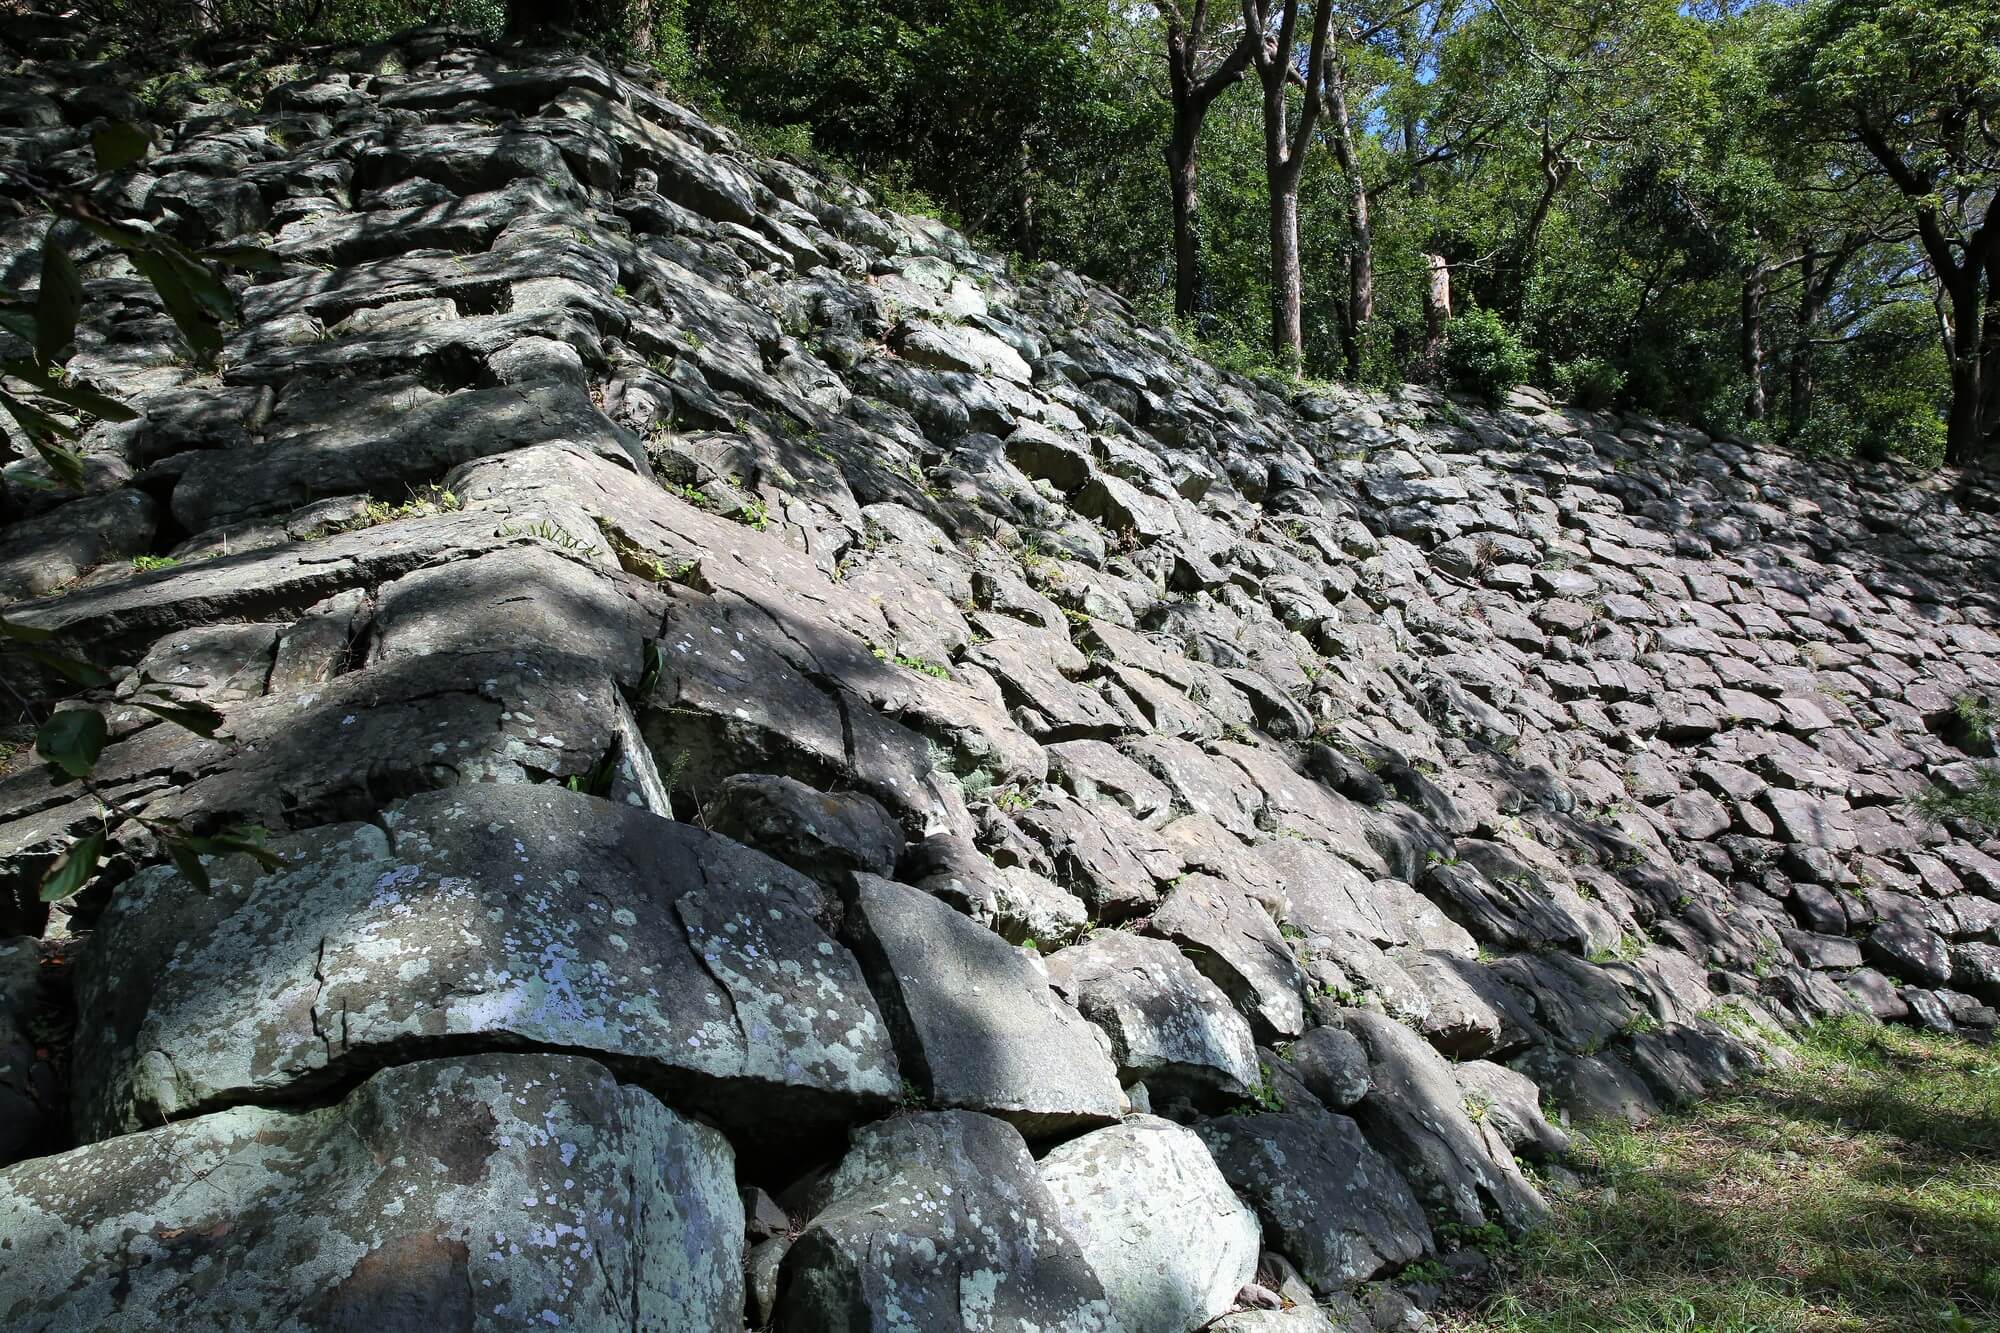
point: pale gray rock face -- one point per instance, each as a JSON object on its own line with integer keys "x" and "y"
{"x": 1169, "y": 1025}
{"x": 484, "y": 914}
{"x": 1508, "y": 1102}
{"x": 30, "y": 1096}
{"x": 576, "y": 446}
{"x": 1158, "y": 1223}
{"x": 483, "y": 1192}
{"x": 1238, "y": 946}
{"x": 913, "y": 1190}
{"x": 1416, "y": 1111}
{"x": 976, "y": 1024}
{"x": 1327, "y": 1200}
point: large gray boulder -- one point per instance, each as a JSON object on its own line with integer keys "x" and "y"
{"x": 1416, "y": 1113}
{"x": 404, "y": 439}
{"x": 495, "y": 915}
{"x": 1239, "y": 947}
{"x": 1170, "y": 1241}
{"x": 1169, "y": 1025}
{"x": 30, "y": 1093}
{"x": 976, "y": 1024}
{"x": 490, "y": 1192}
{"x": 1328, "y": 1201}
{"x": 937, "y": 1223}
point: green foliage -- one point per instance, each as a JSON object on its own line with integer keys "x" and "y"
{"x": 923, "y": 666}
{"x": 1977, "y": 803}
{"x": 1264, "y": 1096}
{"x": 1604, "y": 178}
{"x": 1884, "y": 391}
{"x": 72, "y": 740}
{"x": 1856, "y": 1190}
{"x": 1590, "y": 382}
{"x": 1483, "y": 356}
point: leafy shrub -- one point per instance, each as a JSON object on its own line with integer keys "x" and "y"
{"x": 1977, "y": 803}
{"x": 1483, "y": 356}
{"x": 1590, "y": 382}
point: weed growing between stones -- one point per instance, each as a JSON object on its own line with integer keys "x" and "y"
{"x": 1857, "y": 1191}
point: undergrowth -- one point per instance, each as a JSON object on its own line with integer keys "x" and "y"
{"x": 1856, "y": 1192}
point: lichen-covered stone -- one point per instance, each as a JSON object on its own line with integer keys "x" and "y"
{"x": 1169, "y": 1025}
{"x": 1328, "y": 1201}
{"x": 485, "y": 1192}
{"x": 937, "y": 1223}
{"x": 473, "y": 917}
{"x": 976, "y": 1024}
{"x": 1170, "y": 1241}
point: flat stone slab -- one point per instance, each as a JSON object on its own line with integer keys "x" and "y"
{"x": 388, "y": 455}
{"x": 486, "y": 915}
{"x": 937, "y": 1223}
{"x": 492, "y": 1192}
{"x": 1170, "y": 1241}
{"x": 1169, "y": 1025}
{"x": 1416, "y": 1113}
{"x": 976, "y": 1024}
{"x": 1328, "y": 1201}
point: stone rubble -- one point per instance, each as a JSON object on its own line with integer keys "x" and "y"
{"x": 755, "y": 694}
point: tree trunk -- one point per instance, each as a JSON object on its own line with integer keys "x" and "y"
{"x": 1191, "y": 96}
{"x": 1962, "y": 421}
{"x": 1437, "y": 308}
{"x": 1989, "y": 355}
{"x": 641, "y": 22}
{"x": 1284, "y": 154}
{"x": 1753, "y": 346}
{"x": 1287, "y": 328}
{"x": 1555, "y": 174}
{"x": 1360, "y": 312}
{"x": 1187, "y": 245}
{"x": 1360, "y": 281}
{"x": 1026, "y": 239}
{"x": 1799, "y": 373}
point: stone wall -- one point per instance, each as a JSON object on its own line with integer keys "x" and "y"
{"x": 828, "y": 781}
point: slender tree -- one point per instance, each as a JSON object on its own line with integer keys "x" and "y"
{"x": 1285, "y": 143}
{"x": 1916, "y": 86}
{"x": 1191, "y": 92}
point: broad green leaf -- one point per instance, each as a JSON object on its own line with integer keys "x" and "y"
{"x": 43, "y": 431}
{"x": 196, "y": 717}
{"x": 118, "y": 144}
{"x": 32, "y": 637}
{"x": 246, "y": 839}
{"x": 19, "y": 320}
{"x": 72, "y": 740}
{"x": 206, "y": 284}
{"x": 24, "y": 633}
{"x": 59, "y": 302}
{"x": 38, "y": 424}
{"x": 69, "y": 392}
{"x": 124, "y": 237}
{"x": 181, "y": 303}
{"x": 188, "y": 861}
{"x": 250, "y": 258}
{"x": 65, "y": 463}
{"x": 73, "y": 868}
{"x": 71, "y": 668}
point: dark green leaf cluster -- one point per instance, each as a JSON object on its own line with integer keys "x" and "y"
{"x": 1483, "y": 356}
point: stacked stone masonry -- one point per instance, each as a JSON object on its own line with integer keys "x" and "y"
{"x": 830, "y": 781}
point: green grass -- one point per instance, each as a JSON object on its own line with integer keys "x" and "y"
{"x": 1855, "y": 1192}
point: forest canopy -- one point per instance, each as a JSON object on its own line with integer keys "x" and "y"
{"x": 1777, "y": 220}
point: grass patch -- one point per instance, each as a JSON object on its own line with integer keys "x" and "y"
{"x": 1855, "y": 1192}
